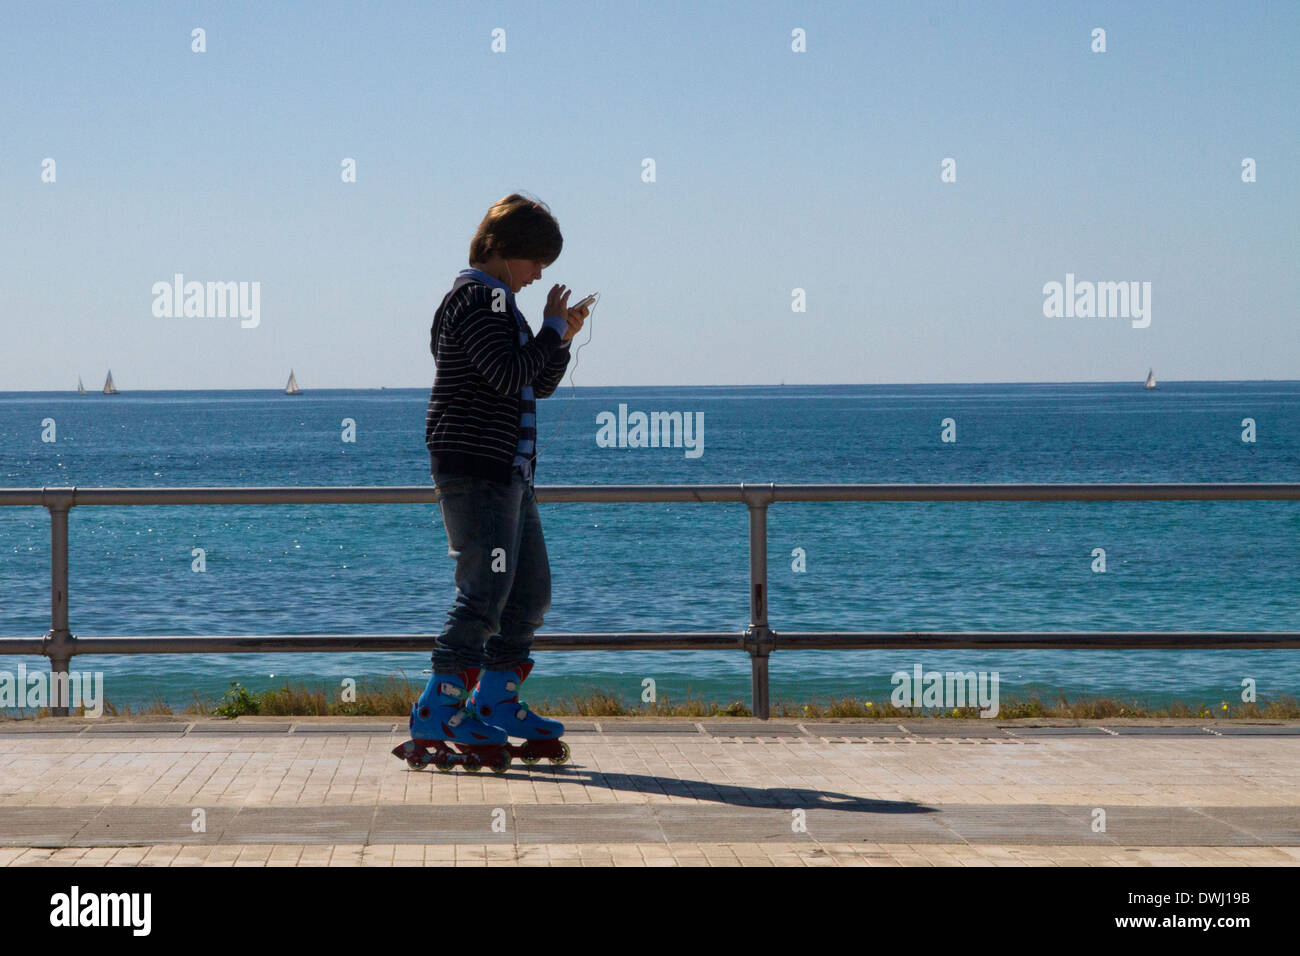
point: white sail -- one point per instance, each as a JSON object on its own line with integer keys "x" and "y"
{"x": 109, "y": 387}
{"x": 291, "y": 387}
{"x": 1151, "y": 379}
{"x": 81, "y": 389}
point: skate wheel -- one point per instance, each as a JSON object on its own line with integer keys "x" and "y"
{"x": 502, "y": 764}
{"x": 443, "y": 767}
{"x": 414, "y": 764}
{"x": 529, "y": 761}
{"x": 564, "y": 754}
{"x": 473, "y": 764}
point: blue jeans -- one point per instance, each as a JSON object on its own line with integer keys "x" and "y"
{"x": 503, "y": 576}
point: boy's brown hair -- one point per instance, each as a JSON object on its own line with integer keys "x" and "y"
{"x": 517, "y": 227}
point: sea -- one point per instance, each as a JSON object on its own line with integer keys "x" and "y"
{"x": 905, "y": 566}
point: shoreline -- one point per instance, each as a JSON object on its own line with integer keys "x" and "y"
{"x": 394, "y": 700}
{"x": 919, "y": 727}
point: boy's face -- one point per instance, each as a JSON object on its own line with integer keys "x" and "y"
{"x": 524, "y": 271}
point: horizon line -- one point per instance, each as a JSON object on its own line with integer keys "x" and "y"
{"x": 377, "y": 388}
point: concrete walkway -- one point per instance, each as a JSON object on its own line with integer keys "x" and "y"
{"x": 655, "y": 792}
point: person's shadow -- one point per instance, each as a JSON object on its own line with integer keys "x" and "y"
{"x": 773, "y": 798}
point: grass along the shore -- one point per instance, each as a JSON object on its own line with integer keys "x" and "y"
{"x": 393, "y": 699}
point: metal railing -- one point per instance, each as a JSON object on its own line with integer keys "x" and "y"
{"x": 758, "y": 639}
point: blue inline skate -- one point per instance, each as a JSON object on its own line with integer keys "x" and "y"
{"x": 440, "y": 717}
{"x": 496, "y": 702}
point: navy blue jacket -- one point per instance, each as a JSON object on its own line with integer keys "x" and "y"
{"x": 472, "y": 425}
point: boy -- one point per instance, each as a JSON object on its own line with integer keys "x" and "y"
{"x": 481, "y": 432}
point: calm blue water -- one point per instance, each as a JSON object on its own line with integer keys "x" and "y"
{"x": 921, "y": 566}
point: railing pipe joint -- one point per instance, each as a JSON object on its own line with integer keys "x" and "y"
{"x": 759, "y": 640}
{"x": 59, "y": 498}
{"x": 758, "y": 496}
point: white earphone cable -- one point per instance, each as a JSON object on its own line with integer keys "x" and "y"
{"x": 573, "y": 385}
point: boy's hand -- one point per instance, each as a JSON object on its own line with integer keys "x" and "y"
{"x": 557, "y": 301}
{"x": 575, "y": 318}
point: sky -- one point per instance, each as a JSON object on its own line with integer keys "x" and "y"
{"x": 774, "y": 170}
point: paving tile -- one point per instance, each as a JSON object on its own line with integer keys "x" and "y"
{"x": 345, "y": 728}
{"x": 882, "y": 728}
{"x": 234, "y": 727}
{"x": 1277, "y": 826}
{"x": 1056, "y": 732}
{"x": 757, "y": 728}
{"x": 132, "y": 826}
{"x": 967, "y": 728}
{"x": 444, "y": 824}
{"x": 342, "y": 824}
{"x": 46, "y": 826}
{"x": 19, "y": 728}
{"x": 1023, "y": 825}
{"x": 139, "y": 730}
{"x": 586, "y": 824}
{"x": 765, "y": 825}
{"x": 1156, "y": 826}
{"x": 645, "y": 727}
{"x": 1252, "y": 730}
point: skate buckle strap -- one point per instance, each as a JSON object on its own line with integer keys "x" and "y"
{"x": 455, "y": 719}
{"x": 451, "y": 690}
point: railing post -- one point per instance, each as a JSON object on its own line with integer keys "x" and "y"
{"x": 758, "y": 637}
{"x": 58, "y": 646}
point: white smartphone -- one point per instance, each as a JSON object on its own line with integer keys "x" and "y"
{"x": 587, "y": 301}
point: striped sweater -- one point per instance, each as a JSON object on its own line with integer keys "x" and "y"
{"x": 481, "y": 418}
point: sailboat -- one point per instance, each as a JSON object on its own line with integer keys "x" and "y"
{"x": 109, "y": 387}
{"x": 81, "y": 389}
{"x": 1151, "y": 379}
{"x": 291, "y": 387}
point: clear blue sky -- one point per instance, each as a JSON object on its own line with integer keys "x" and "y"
{"x": 775, "y": 170}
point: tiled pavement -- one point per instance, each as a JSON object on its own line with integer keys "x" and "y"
{"x": 663, "y": 792}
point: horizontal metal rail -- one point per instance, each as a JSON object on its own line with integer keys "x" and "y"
{"x": 758, "y": 639}
{"x": 745, "y": 492}
{"x": 681, "y": 641}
